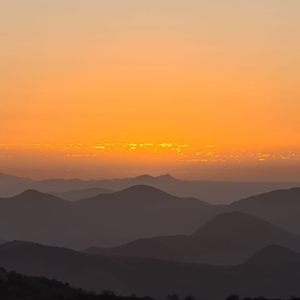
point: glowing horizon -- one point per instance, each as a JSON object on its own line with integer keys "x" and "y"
{"x": 120, "y": 160}
{"x": 196, "y": 73}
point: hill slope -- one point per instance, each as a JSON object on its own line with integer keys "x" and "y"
{"x": 280, "y": 207}
{"x": 274, "y": 254}
{"x": 229, "y": 238}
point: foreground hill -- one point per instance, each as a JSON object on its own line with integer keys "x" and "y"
{"x": 229, "y": 238}
{"x": 152, "y": 277}
{"x": 139, "y": 211}
{"x": 17, "y": 286}
{"x": 14, "y": 286}
{"x": 281, "y": 207}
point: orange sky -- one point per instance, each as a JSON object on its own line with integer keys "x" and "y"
{"x": 187, "y": 72}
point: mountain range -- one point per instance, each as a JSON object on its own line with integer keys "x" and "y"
{"x": 210, "y": 191}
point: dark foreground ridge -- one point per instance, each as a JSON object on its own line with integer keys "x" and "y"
{"x": 157, "y": 278}
{"x": 14, "y": 286}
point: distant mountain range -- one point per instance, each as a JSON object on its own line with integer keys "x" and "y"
{"x": 279, "y": 277}
{"x": 229, "y": 238}
{"x": 212, "y": 192}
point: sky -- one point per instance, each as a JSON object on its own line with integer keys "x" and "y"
{"x": 125, "y": 73}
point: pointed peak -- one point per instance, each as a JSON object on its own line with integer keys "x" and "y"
{"x": 144, "y": 176}
{"x": 165, "y": 176}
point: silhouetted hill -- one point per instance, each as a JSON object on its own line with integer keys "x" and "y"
{"x": 229, "y": 238}
{"x": 145, "y": 195}
{"x": 279, "y": 207}
{"x": 274, "y": 254}
{"x": 240, "y": 224}
{"x": 36, "y": 197}
{"x": 234, "y": 236}
{"x": 75, "y": 195}
{"x": 156, "y": 278}
{"x": 30, "y": 205}
{"x": 35, "y": 215}
{"x": 106, "y": 219}
{"x": 143, "y": 211}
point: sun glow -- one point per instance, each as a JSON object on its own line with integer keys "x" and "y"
{"x": 105, "y": 82}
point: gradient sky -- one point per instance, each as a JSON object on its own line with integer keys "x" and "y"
{"x": 193, "y": 72}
